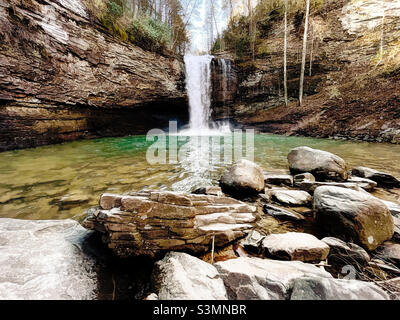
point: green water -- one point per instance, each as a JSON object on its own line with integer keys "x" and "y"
{"x": 62, "y": 181}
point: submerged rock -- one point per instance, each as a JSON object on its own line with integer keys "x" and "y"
{"x": 342, "y": 253}
{"x": 263, "y": 279}
{"x": 152, "y": 222}
{"x": 353, "y": 215}
{"x": 382, "y": 178}
{"x": 295, "y": 246}
{"x": 313, "y": 288}
{"x": 180, "y": 276}
{"x": 282, "y": 214}
{"x": 43, "y": 260}
{"x": 242, "y": 179}
{"x": 322, "y": 164}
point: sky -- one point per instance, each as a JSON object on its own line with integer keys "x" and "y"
{"x": 198, "y": 20}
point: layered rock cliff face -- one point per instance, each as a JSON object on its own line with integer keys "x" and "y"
{"x": 64, "y": 77}
{"x": 351, "y": 92}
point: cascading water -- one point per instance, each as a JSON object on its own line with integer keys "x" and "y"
{"x": 198, "y": 86}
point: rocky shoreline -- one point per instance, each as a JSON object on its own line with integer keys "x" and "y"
{"x": 316, "y": 232}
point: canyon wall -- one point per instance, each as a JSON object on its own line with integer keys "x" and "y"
{"x": 64, "y": 77}
{"x": 351, "y": 93}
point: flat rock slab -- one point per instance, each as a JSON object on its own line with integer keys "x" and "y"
{"x": 345, "y": 253}
{"x": 278, "y": 179}
{"x": 364, "y": 183}
{"x": 263, "y": 279}
{"x": 382, "y": 178}
{"x": 352, "y": 215}
{"x": 322, "y": 164}
{"x": 310, "y": 186}
{"x": 152, "y": 222}
{"x": 291, "y": 197}
{"x": 313, "y": 288}
{"x": 295, "y": 246}
{"x": 41, "y": 260}
{"x": 179, "y": 276}
{"x": 282, "y": 214}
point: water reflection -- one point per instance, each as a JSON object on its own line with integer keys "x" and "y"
{"x": 61, "y": 181}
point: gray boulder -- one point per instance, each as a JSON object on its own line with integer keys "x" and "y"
{"x": 180, "y": 276}
{"x": 263, "y": 279}
{"x": 354, "y": 216}
{"x": 322, "y": 164}
{"x": 242, "y": 179}
{"x": 295, "y": 246}
{"x": 312, "y": 288}
{"x": 382, "y": 178}
{"x": 42, "y": 260}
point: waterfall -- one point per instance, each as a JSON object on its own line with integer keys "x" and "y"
{"x": 198, "y": 86}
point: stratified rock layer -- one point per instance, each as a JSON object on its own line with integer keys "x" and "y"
{"x": 63, "y": 77}
{"x": 151, "y": 222}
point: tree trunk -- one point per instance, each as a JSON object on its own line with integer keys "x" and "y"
{"x": 285, "y": 58}
{"x": 312, "y": 50}
{"x": 303, "y": 60}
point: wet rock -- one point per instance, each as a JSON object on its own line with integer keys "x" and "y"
{"x": 278, "y": 179}
{"x": 396, "y": 235}
{"x": 43, "y": 260}
{"x": 313, "y": 288}
{"x": 342, "y": 253}
{"x": 153, "y": 222}
{"x": 291, "y": 197}
{"x": 180, "y": 276}
{"x": 353, "y": 215}
{"x": 282, "y": 214}
{"x": 210, "y": 190}
{"x": 322, "y": 164}
{"x": 263, "y": 279}
{"x": 389, "y": 251}
{"x": 303, "y": 177}
{"x": 382, "y": 178}
{"x": 242, "y": 179}
{"x": 295, "y": 246}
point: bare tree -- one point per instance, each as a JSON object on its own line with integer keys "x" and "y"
{"x": 303, "y": 60}
{"x": 285, "y": 56}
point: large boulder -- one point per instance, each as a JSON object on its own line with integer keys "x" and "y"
{"x": 242, "y": 179}
{"x": 179, "y": 276}
{"x": 382, "y": 178}
{"x": 295, "y": 246}
{"x": 263, "y": 279}
{"x": 153, "y": 222}
{"x": 312, "y": 288}
{"x": 322, "y": 164}
{"x": 42, "y": 260}
{"x": 353, "y": 215}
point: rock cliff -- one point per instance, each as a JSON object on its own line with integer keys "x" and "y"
{"x": 351, "y": 91}
{"x": 64, "y": 77}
